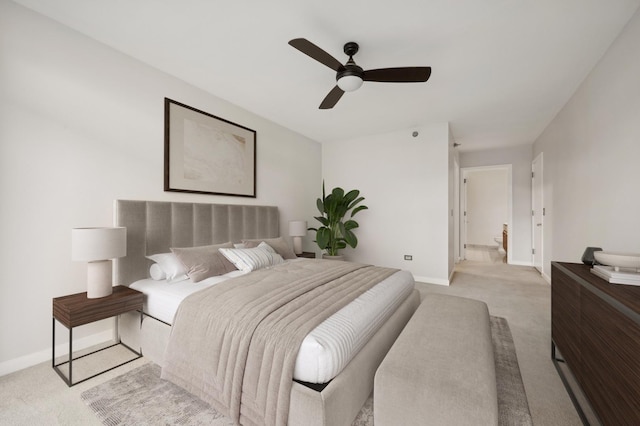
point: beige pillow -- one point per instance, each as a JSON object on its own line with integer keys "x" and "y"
{"x": 279, "y": 245}
{"x": 204, "y": 261}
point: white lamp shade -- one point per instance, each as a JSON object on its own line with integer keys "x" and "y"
{"x": 298, "y": 228}
{"x": 92, "y": 244}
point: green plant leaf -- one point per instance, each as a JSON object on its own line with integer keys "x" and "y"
{"x": 320, "y": 205}
{"x": 329, "y": 205}
{"x": 351, "y": 239}
{"x": 351, "y": 224}
{"x": 323, "y": 220}
{"x": 341, "y": 228}
{"x": 357, "y": 209}
{"x": 355, "y": 202}
{"x": 322, "y": 237}
{"x": 351, "y": 195}
{"x": 338, "y": 193}
{"x": 340, "y": 211}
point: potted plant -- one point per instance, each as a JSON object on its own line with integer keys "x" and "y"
{"x": 335, "y": 233}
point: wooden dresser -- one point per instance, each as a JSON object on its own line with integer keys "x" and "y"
{"x": 595, "y": 326}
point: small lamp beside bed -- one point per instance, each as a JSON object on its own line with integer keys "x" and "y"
{"x": 98, "y": 246}
{"x": 297, "y": 229}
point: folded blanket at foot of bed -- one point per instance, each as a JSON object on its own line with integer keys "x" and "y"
{"x": 235, "y": 344}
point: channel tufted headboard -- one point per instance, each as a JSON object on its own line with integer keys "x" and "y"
{"x": 156, "y": 226}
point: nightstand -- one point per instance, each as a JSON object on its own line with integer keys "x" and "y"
{"x": 307, "y": 254}
{"x": 76, "y": 309}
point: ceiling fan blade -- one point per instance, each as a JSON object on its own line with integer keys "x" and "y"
{"x": 332, "y": 98}
{"x": 313, "y": 51}
{"x": 398, "y": 75}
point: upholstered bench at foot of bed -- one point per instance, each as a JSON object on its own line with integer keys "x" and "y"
{"x": 440, "y": 370}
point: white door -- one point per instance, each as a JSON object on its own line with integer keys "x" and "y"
{"x": 537, "y": 212}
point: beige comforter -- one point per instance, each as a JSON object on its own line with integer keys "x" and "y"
{"x": 235, "y": 344}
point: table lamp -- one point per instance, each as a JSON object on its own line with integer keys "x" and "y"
{"x": 98, "y": 246}
{"x": 297, "y": 229}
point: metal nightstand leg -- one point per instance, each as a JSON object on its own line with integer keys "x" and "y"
{"x": 53, "y": 355}
{"x": 69, "y": 380}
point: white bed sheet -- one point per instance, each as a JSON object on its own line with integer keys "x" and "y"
{"x": 162, "y": 298}
{"x": 330, "y": 346}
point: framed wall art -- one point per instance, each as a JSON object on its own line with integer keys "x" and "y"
{"x": 207, "y": 154}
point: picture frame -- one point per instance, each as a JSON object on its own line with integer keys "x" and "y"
{"x": 206, "y": 154}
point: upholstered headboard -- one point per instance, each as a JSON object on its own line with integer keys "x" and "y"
{"x": 156, "y": 226}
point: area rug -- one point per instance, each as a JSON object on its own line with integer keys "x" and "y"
{"x": 513, "y": 408}
{"x": 141, "y": 397}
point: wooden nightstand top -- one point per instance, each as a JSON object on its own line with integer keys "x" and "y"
{"x": 77, "y": 309}
{"x": 307, "y": 254}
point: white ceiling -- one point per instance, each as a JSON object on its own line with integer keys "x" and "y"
{"x": 502, "y": 69}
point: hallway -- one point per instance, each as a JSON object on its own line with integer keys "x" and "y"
{"x": 485, "y": 254}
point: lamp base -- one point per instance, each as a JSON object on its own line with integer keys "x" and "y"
{"x": 99, "y": 279}
{"x": 297, "y": 245}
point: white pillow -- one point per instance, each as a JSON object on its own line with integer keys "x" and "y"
{"x": 251, "y": 259}
{"x": 172, "y": 267}
{"x": 156, "y": 272}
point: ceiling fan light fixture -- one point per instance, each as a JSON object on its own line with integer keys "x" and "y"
{"x": 350, "y": 76}
{"x": 349, "y": 83}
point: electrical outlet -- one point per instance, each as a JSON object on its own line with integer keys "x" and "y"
{"x": 408, "y": 257}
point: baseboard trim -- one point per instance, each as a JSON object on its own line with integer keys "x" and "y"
{"x": 26, "y": 361}
{"x": 520, "y": 263}
{"x": 429, "y": 280}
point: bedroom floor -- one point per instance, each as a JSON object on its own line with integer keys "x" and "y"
{"x": 487, "y": 254}
{"x": 37, "y": 395}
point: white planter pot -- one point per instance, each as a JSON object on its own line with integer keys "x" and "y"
{"x": 328, "y": 257}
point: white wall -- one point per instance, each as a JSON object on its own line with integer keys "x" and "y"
{"x": 487, "y": 205}
{"x": 80, "y": 126}
{"x": 592, "y": 159}
{"x": 520, "y": 158}
{"x": 405, "y": 181}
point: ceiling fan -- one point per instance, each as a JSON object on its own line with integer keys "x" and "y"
{"x": 350, "y": 76}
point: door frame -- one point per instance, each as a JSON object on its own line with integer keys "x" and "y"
{"x": 537, "y": 251}
{"x": 464, "y": 171}
{"x": 458, "y": 255}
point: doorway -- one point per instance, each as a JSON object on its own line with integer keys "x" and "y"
{"x": 486, "y": 212}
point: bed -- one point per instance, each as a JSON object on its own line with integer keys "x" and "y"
{"x": 155, "y": 227}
